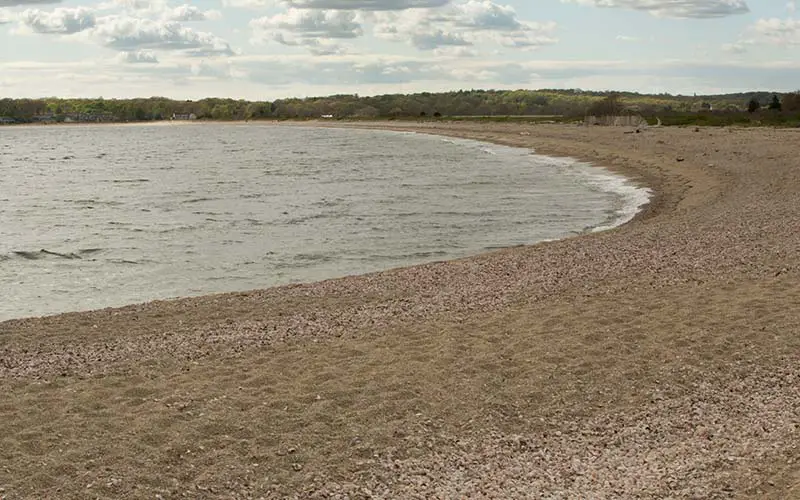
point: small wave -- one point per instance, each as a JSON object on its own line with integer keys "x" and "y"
{"x": 254, "y": 222}
{"x": 129, "y": 181}
{"x": 406, "y": 256}
{"x": 91, "y": 201}
{"x": 313, "y": 257}
{"x": 43, "y": 254}
{"x": 199, "y": 200}
{"x": 27, "y": 255}
{"x": 301, "y": 220}
{"x": 125, "y": 261}
{"x": 176, "y": 229}
{"x": 492, "y": 248}
{"x": 90, "y": 251}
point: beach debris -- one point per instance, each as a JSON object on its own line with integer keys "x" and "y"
{"x": 297, "y": 467}
{"x": 680, "y": 159}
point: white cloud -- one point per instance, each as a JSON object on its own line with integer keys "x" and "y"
{"x": 130, "y": 34}
{"x": 484, "y": 14}
{"x": 312, "y": 29}
{"x": 373, "y": 5}
{"x": 463, "y": 24}
{"x": 137, "y": 7}
{"x": 5, "y": 17}
{"x": 247, "y": 4}
{"x": 216, "y": 70}
{"x": 430, "y": 40}
{"x": 791, "y": 6}
{"x": 735, "y": 48}
{"x": 627, "y": 38}
{"x": 188, "y": 13}
{"x": 674, "y": 8}
{"x": 782, "y": 33}
{"x": 59, "y": 21}
{"x": 138, "y": 57}
{"x": 312, "y": 23}
{"x": 457, "y": 52}
{"x": 17, "y": 3}
{"x": 315, "y": 46}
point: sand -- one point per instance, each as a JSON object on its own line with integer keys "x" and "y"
{"x": 656, "y": 360}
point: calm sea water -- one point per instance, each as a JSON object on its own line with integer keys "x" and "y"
{"x": 102, "y": 216}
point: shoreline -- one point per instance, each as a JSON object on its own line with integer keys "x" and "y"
{"x": 655, "y": 359}
{"x": 631, "y": 206}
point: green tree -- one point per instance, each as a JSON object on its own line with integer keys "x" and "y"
{"x": 775, "y": 103}
{"x": 753, "y": 105}
{"x": 610, "y": 106}
{"x": 791, "y": 102}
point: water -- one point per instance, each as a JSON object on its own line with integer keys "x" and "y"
{"x": 102, "y": 216}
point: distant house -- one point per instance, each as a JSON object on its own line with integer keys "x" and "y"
{"x": 184, "y": 116}
{"x": 89, "y": 117}
{"x": 327, "y": 117}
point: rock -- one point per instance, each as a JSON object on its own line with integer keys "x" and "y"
{"x": 680, "y": 158}
{"x": 297, "y": 467}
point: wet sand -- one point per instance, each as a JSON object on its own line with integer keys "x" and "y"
{"x": 656, "y": 360}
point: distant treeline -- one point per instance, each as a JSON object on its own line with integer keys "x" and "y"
{"x": 466, "y": 103}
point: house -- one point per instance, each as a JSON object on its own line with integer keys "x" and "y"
{"x": 184, "y": 116}
{"x": 89, "y": 117}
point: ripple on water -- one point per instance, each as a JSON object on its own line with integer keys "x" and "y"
{"x": 289, "y": 204}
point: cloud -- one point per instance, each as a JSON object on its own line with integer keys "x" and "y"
{"x": 315, "y": 46}
{"x": 454, "y": 51}
{"x": 434, "y": 39}
{"x": 59, "y": 21}
{"x": 627, "y": 38}
{"x": 783, "y": 33}
{"x": 312, "y": 29}
{"x": 483, "y": 14}
{"x": 699, "y": 9}
{"x": 463, "y": 24}
{"x": 5, "y": 17}
{"x": 735, "y": 48}
{"x": 188, "y": 13}
{"x": 18, "y": 3}
{"x": 791, "y": 6}
{"x": 220, "y": 70}
{"x": 138, "y": 57}
{"x": 372, "y": 5}
{"x": 312, "y": 23}
{"x": 247, "y": 4}
{"x": 131, "y": 34}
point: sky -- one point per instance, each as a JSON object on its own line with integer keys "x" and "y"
{"x": 270, "y": 49}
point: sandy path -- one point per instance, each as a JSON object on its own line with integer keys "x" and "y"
{"x": 657, "y": 360}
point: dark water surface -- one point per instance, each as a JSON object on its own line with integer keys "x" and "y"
{"x": 102, "y": 216}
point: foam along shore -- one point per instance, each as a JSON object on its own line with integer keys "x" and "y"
{"x": 657, "y": 359}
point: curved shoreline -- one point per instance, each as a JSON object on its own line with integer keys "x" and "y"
{"x": 626, "y": 203}
{"x": 656, "y": 359}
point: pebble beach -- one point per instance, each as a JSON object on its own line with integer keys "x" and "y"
{"x": 659, "y": 359}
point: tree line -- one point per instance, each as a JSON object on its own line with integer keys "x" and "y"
{"x": 463, "y": 103}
